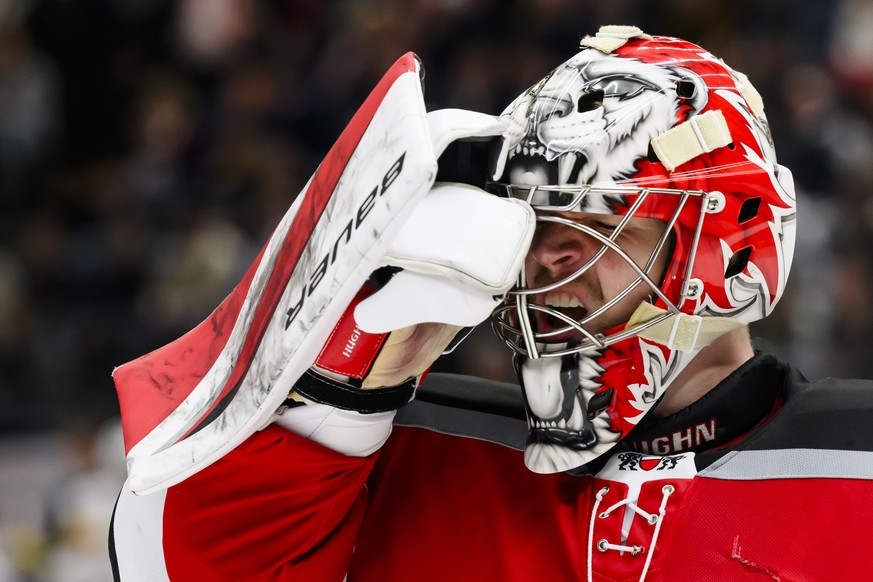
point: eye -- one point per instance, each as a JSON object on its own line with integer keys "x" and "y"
{"x": 605, "y": 226}
{"x": 625, "y": 87}
{"x": 590, "y": 101}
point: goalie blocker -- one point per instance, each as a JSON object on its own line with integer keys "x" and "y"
{"x": 460, "y": 250}
{"x": 369, "y": 204}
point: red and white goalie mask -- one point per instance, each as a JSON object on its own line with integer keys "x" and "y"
{"x": 664, "y": 221}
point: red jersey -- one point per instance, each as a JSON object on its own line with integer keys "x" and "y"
{"x": 448, "y": 498}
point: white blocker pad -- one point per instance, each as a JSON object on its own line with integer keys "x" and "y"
{"x": 448, "y": 125}
{"x": 461, "y": 250}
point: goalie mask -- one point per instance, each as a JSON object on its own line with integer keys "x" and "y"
{"x": 651, "y": 152}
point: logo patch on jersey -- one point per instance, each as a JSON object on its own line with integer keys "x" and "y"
{"x": 632, "y": 467}
{"x": 638, "y": 461}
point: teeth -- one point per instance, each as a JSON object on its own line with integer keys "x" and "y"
{"x": 502, "y": 158}
{"x": 529, "y": 148}
{"x": 562, "y": 300}
{"x": 577, "y": 419}
{"x": 565, "y": 167}
{"x": 545, "y": 424}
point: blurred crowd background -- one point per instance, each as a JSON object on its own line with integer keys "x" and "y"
{"x": 149, "y": 147}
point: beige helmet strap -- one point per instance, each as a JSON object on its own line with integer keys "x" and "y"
{"x": 750, "y": 94}
{"x": 680, "y": 331}
{"x": 611, "y": 37}
{"x": 686, "y": 141}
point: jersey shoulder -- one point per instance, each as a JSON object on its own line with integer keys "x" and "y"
{"x": 830, "y": 413}
{"x": 822, "y": 430}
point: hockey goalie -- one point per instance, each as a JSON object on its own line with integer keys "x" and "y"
{"x": 620, "y": 224}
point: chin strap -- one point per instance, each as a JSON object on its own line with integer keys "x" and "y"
{"x": 680, "y": 331}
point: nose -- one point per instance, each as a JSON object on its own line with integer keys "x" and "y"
{"x": 558, "y": 249}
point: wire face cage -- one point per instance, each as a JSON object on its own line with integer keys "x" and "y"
{"x": 515, "y": 321}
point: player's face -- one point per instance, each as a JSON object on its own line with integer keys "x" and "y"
{"x": 558, "y": 251}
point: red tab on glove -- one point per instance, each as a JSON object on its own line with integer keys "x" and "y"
{"x": 350, "y": 351}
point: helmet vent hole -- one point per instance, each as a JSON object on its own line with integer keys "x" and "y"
{"x": 749, "y": 210}
{"x": 738, "y": 262}
{"x": 685, "y": 89}
{"x": 590, "y": 101}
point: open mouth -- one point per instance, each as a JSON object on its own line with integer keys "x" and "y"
{"x": 528, "y": 164}
{"x": 547, "y": 322}
{"x": 549, "y": 328}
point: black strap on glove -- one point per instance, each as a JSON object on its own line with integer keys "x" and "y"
{"x": 324, "y": 390}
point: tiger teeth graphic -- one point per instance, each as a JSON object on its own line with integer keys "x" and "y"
{"x": 566, "y": 165}
{"x": 528, "y": 148}
{"x": 575, "y": 423}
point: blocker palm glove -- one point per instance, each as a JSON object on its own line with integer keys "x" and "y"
{"x": 459, "y": 253}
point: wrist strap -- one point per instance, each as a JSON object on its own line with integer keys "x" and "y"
{"x": 323, "y": 390}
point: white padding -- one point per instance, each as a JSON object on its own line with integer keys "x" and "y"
{"x": 345, "y": 431}
{"x": 411, "y": 298}
{"x": 138, "y": 530}
{"x": 448, "y": 125}
{"x": 466, "y": 235}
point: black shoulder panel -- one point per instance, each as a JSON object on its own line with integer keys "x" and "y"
{"x": 468, "y": 407}
{"x": 827, "y": 414}
{"x": 473, "y": 393}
